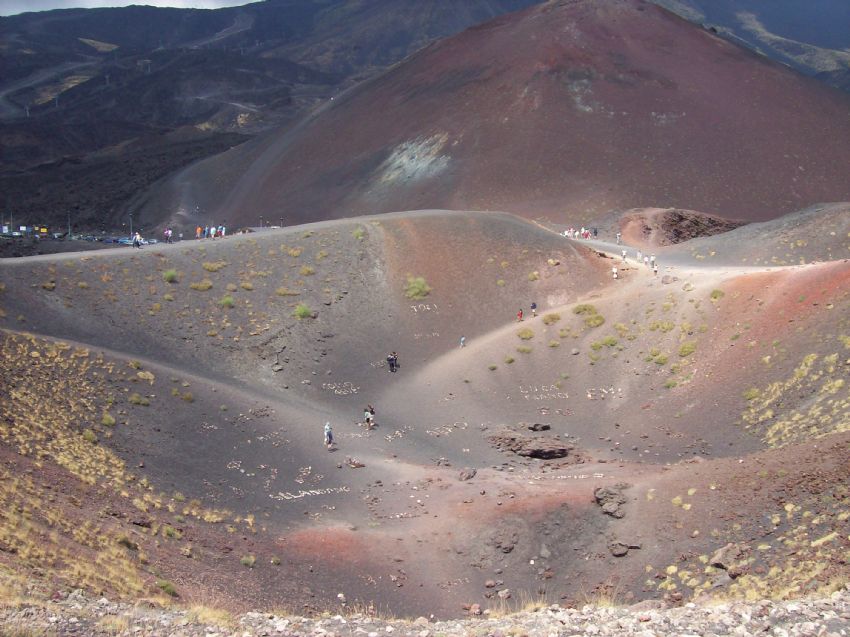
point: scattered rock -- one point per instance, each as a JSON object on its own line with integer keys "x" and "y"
{"x": 539, "y": 427}
{"x": 618, "y": 549}
{"x": 611, "y": 499}
{"x": 538, "y": 447}
{"x": 467, "y": 474}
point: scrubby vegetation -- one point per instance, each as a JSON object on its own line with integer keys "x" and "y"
{"x": 416, "y": 288}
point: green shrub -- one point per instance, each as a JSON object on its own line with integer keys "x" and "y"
{"x": 509, "y": 360}
{"x": 670, "y": 384}
{"x": 171, "y": 532}
{"x": 492, "y": 368}
{"x": 526, "y": 333}
{"x": 534, "y": 276}
{"x": 246, "y": 285}
{"x": 306, "y": 270}
{"x": 661, "y": 359}
{"x": 549, "y": 319}
{"x": 213, "y": 266}
{"x": 662, "y": 326}
{"x": 202, "y": 286}
{"x": 524, "y": 349}
{"x": 107, "y": 420}
{"x": 284, "y": 291}
{"x": 227, "y": 301}
{"x": 358, "y": 233}
{"x": 584, "y": 308}
{"x": 687, "y": 348}
{"x": 716, "y": 295}
{"x": 609, "y": 341}
{"x": 89, "y": 436}
{"x": 166, "y": 587}
{"x": 188, "y": 397}
{"x": 248, "y": 560}
{"x": 138, "y": 399}
{"x": 170, "y": 276}
{"x": 752, "y": 393}
{"x": 302, "y": 311}
{"x": 416, "y": 288}
{"x": 500, "y": 283}
{"x": 295, "y": 252}
{"x": 594, "y": 320}
{"x": 554, "y": 343}
{"x": 168, "y": 297}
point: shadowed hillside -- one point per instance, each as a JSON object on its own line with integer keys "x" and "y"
{"x": 105, "y": 88}
{"x": 669, "y": 436}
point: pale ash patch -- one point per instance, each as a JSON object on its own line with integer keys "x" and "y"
{"x": 415, "y": 159}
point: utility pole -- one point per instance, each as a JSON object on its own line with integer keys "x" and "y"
{"x": 69, "y": 224}
{"x": 131, "y": 224}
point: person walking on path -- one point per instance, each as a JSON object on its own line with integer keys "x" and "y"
{"x": 198, "y": 232}
{"x": 614, "y": 272}
{"x": 462, "y": 342}
{"x": 329, "y": 436}
{"x": 137, "y": 240}
{"x": 519, "y": 315}
{"x": 618, "y": 238}
{"x": 392, "y": 361}
{"x": 655, "y": 269}
{"x": 533, "y": 309}
{"x": 624, "y": 256}
{"x": 369, "y": 416}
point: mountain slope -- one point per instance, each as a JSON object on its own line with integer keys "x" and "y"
{"x": 566, "y": 110}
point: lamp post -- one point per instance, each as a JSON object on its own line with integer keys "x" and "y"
{"x": 261, "y": 221}
{"x": 131, "y": 224}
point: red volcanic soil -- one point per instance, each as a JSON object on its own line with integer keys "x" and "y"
{"x": 710, "y": 402}
{"x": 650, "y": 228}
{"x": 566, "y": 110}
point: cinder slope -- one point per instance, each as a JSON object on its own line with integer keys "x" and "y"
{"x": 566, "y": 110}
{"x": 710, "y": 400}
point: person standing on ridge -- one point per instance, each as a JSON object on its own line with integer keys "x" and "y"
{"x": 519, "y": 315}
{"x": 533, "y": 309}
{"x": 329, "y": 436}
{"x": 462, "y": 341}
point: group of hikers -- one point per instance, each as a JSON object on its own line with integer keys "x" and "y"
{"x": 584, "y": 233}
{"x": 647, "y": 259}
{"x": 369, "y": 411}
{"x": 368, "y": 422}
{"x": 519, "y": 314}
{"x": 210, "y": 232}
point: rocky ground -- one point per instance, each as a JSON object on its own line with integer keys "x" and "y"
{"x": 652, "y": 437}
{"x": 78, "y": 615}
